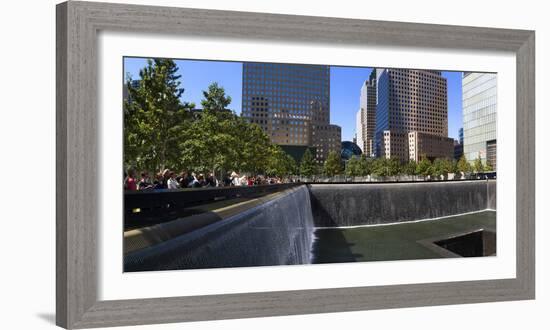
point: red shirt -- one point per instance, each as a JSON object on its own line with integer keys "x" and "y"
{"x": 131, "y": 184}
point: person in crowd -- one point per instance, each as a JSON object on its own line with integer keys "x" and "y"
{"x": 250, "y": 181}
{"x": 202, "y": 180}
{"x": 184, "y": 179}
{"x": 243, "y": 181}
{"x": 198, "y": 181}
{"x": 158, "y": 182}
{"x": 172, "y": 183}
{"x": 145, "y": 182}
{"x": 211, "y": 180}
{"x": 227, "y": 180}
{"x": 130, "y": 180}
{"x": 235, "y": 179}
{"x": 179, "y": 178}
{"x": 193, "y": 182}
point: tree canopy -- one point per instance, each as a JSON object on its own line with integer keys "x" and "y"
{"x": 424, "y": 167}
{"x": 386, "y": 166}
{"x": 463, "y": 165}
{"x": 155, "y": 119}
{"x": 409, "y": 168}
{"x": 365, "y": 165}
{"x": 307, "y": 164}
{"x": 215, "y": 99}
{"x": 332, "y": 164}
{"x": 478, "y": 165}
{"x": 160, "y": 132}
{"x": 353, "y": 167}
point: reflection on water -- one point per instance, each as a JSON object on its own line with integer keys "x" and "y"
{"x": 394, "y": 242}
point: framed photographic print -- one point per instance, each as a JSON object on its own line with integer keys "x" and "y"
{"x": 215, "y": 164}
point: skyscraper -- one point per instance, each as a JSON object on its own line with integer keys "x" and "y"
{"x": 365, "y": 121}
{"x": 411, "y": 101}
{"x": 359, "y": 130}
{"x": 479, "y": 116}
{"x": 291, "y": 103}
{"x": 459, "y": 144}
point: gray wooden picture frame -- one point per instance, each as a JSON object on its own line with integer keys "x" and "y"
{"x": 78, "y": 24}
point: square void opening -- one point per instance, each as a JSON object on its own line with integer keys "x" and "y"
{"x": 479, "y": 243}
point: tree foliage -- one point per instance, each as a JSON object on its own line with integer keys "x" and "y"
{"x": 365, "y": 165}
{"x": 221, "y": 140}
{"x": 215, "y": 99}
{"x": 161, "y": 133}
{"x": 332, "y": 164}
{"x": 424, "y": 167}
{"x": 386, "y": 166}
{"x": 409, "y": 168}
{"x": 352, "y": 167}
{"x": 155, "y": 119}
{"x": 307, "y": 164}
{"x": 478, "y": 165}
{"x": 441, "y": 167}
{"x": 280, "y": 163}
{"x": 463, "y": 165}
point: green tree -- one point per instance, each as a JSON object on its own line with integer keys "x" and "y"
{"x": 409, "y": 168}
{"x": 449, "y": 166}
{"x": 364, "y": 166}
{"x": 225, "y": 141}
{"x": 307, "y": 164}
{"x": 154, "y": 117}
{"x": 215, "y": 99}
{"x": 424, "y": 167}
{"x": 441, "y": 167}
{"x": 386, "y": 166}
{"x": 252, "y": 146}
{"x": 352, "y": 167}
{"x": 221, "y": 140}
{"x": 478, "y": 165}
{"x": 210, "y": 144}
{"x": 280, "y": 163}
{"x": 332, "y": 164}
{"x": 463, "y": 165}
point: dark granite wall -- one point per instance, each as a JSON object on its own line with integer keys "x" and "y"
{"x": 336, "y": 205}
{"x": 278, "y": 232}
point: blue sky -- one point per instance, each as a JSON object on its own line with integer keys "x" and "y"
{"x": 345, "y": 86}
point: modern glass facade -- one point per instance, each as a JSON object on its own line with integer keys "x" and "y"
{"x": 479, "y": 116}
{"x": 359, "y": 129}
{"x": 291, "y": 103}
{"x": 366, "y": 115}
{"x": 350, "y": 149}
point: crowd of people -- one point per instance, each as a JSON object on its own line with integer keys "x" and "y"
{"x": 168, "y": 179}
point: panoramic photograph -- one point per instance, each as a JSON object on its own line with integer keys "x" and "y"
{"x": 247, "y": 164}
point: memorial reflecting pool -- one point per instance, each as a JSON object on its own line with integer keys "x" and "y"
{"x": 403, "y": 241}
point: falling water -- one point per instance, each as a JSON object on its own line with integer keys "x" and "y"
{"x": 281, "y": 230}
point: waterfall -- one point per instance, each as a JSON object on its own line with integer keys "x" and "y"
{"x": 277, "y": 232}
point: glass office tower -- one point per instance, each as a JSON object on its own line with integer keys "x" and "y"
{"x": 479, "y": 116}
{"x": 291, "y": 103}
{"x": 365, "y": 118}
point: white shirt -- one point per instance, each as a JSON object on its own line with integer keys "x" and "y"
{"x": 173, "y": 184}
